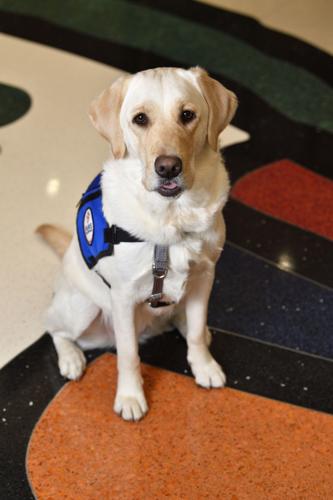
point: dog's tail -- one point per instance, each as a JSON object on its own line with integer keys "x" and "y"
{"x": 57, "y": 237}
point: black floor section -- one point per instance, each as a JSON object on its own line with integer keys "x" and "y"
{"x": 31, "y": 380}
{"x": 15, "y": 102}
{"x": 309, "y": 255}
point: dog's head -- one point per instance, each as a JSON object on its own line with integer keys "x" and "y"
{"x": 164, "y": 117}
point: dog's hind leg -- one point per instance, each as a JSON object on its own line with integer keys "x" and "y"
{"x": 68, "y": 316}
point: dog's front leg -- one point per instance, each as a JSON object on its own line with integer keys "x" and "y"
{"x": 207, "y": 372}
{"x": 130, "y": 401}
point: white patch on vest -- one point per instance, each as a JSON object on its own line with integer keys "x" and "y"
{"x": 88, "y": 226}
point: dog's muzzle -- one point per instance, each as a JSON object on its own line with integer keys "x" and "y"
{"x": 168, "y": 169}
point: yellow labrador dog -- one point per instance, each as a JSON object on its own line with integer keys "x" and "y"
{"x": 164, "y": 185}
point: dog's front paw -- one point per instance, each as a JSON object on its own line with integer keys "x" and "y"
{"x": 72, "y": 362}
{"x": 131, "y": 407}
{"x": 209, "y": 374}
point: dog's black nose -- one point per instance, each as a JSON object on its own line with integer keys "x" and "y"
{"x": 168, "y": 166}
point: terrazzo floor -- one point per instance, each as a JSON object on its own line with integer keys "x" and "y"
{"x": 274, "y": 449}
{"x": 306, "y": 203}
{"x": 269, "y": 433}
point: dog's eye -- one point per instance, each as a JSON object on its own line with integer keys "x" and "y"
{"x": 187, "y": 116}
{"x": 141, "y": 119}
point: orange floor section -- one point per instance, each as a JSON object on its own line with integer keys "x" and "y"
{"x": 193, "y": 444}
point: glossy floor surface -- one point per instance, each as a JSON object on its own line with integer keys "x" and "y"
{"x": 272, "y": 301}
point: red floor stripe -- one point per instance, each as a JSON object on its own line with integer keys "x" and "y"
{"x": 289, "y": 192}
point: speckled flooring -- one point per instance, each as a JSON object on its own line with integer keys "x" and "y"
{"x": 268, "y": 435}
{"x": 307, "y": 202}
{"x": 193, "y": 443}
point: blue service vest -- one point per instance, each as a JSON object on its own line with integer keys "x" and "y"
{"x": 91, "y": 225}
{"x": 96, "y": 237}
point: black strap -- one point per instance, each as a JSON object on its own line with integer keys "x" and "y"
{"x": 102, "y": 278}
{"x": 115, "y": 235}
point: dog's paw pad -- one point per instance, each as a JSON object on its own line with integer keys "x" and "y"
{"x": 72, "y": 363}
{"x": 131, "y": 407}
{"x": 209, "y": 375}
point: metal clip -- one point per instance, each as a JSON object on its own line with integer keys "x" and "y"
{"x": 159, "y": 274}
{"x": 154, "y": 297}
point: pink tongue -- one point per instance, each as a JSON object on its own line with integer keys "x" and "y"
{"x": 170, "y": 185}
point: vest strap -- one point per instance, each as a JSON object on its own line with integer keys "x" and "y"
{"x": 115, "y": 235}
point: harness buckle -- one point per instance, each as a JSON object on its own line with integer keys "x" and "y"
{"x": 159, "y": 273}
{"x": 154, "y": 297}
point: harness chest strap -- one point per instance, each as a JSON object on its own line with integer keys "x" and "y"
{"x": 160, "y": 270}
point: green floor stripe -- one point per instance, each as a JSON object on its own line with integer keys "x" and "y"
{"x": 14, "y": 103}
{"x": 291, "y": 90}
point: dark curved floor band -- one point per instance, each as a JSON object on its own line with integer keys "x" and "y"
{"x": 248, "y": 29}
{"x": 273, "y": 136}
{"x": 15, "y": 103}
{"x": 309, "y": 255}
{"x": 31, "y": 380}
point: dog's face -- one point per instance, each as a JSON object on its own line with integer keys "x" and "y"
{"x": 164, "y": 117}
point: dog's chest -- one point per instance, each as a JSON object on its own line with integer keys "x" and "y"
{"x": 130, "y": 268}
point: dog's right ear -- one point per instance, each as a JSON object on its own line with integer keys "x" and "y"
{"x": 104, "y": 114}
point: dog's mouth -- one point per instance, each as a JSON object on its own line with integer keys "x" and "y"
{"x": 169, "y": 188}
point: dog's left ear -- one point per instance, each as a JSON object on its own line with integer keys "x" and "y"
{"x": 104, "y": 114}
{"x": 222, "y": 105}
